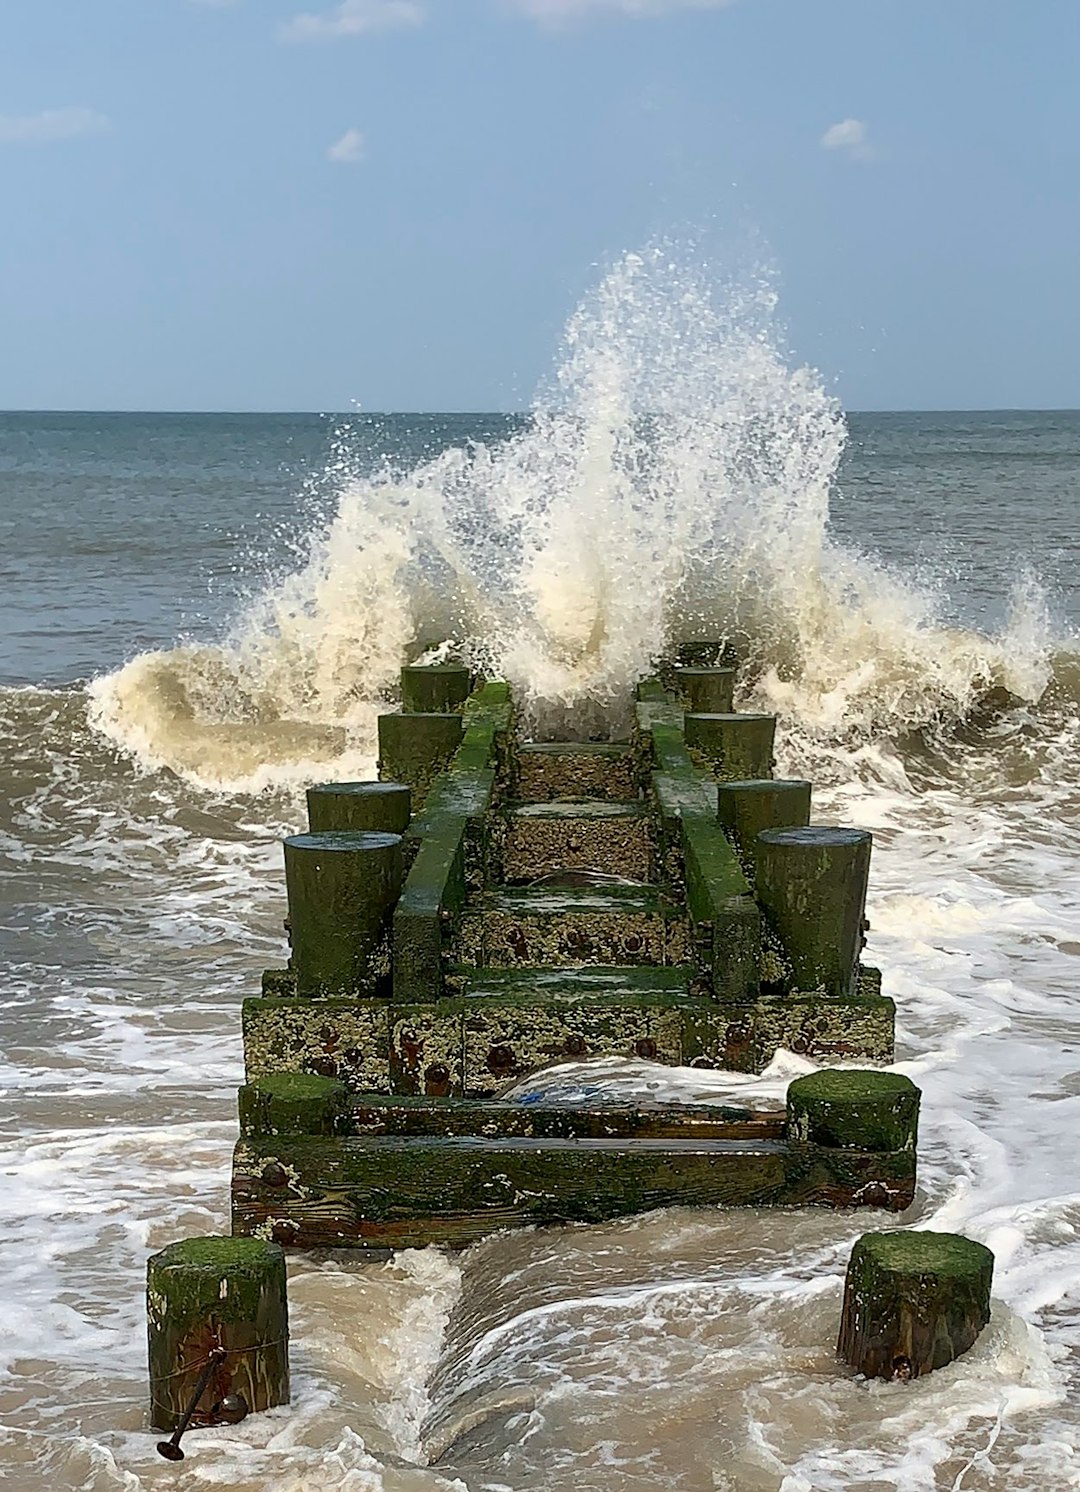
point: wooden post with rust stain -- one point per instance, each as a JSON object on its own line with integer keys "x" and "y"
{"x": 913, "y": 1302}
{"x": 359, "y": 807}
{"x": 735, "y": 746}
{"x": 341, "y": 889}
{"x": 293, "y": 1103}
{"x": 209, "y": 1294}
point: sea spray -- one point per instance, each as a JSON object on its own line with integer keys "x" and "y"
{"x": 673, "y": 482}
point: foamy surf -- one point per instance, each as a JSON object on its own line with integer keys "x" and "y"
{"x": 673, "y": 482}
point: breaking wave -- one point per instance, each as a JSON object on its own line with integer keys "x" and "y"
{"x": 673, "y": 483}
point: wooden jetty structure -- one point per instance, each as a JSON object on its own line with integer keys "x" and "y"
{"x": 494, "y": 905}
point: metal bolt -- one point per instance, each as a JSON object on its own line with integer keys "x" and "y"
{"x": 170, "y": 1449}
{"x": 230, "y": 1410}
{"x": 574, "y": 1046}
{"x": 326, "y": 1067}
{"x": 634, "y": 944}
{"x": 645, "y": 1047}
{"x": 437, "y": 1079}
{"x": 274, "y": 1175}
{"x": 500, "y": 1060}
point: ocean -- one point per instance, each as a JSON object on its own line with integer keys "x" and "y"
{"x": 193, "y": 608}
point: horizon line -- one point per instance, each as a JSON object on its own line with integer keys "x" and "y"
{"x": 337, "y": 414}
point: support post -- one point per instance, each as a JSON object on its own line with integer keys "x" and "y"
{"x": 707, "y": 691}
{"x": 216, "y": 1293}
{"x": 359, "y": 807}
{"x": 735, "y": 746}
{"x": 416, "y": 748}
{"x": 434, "y": 689}
{"x": 341, "y": 889}
{"x": 854, "y": 1109}
{"x": 812, "y": 885}
{"x": 913, "y": 1302}
{"x": 292, "y": 1103}
{"x": 749, "y": 806}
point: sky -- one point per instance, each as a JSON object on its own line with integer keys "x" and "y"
{"x": 314, "y": 204}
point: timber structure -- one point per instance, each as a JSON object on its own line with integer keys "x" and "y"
{"x": 495, "y": 905}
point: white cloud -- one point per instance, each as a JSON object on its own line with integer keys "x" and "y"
{"x": 849, "y": 135}
{"x": 50, "y": 124}
{"x": 562, "y": 12}
{"x": 349, "y": 149}
{"x": 353, "y": 18}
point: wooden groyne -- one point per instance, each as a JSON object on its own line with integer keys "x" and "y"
{"x": 496, "y": 905}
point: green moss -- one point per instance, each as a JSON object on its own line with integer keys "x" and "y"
{"x": 917, "y": 1252}
{"x": 854, "y": 1110}
{"x": 217, "y": 1253}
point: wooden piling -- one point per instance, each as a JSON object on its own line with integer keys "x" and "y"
{"x": 415, "y": 748}
{"x": 434, "y": 689}
{"x": 812, "y": 885}
{"x": 913, "y": 1302}
{"x": 735, "y": 746}
{"x": 341, "y": 890}
{"x": 216, "y": 1293}
{"x": 854, "y": 1109}
{"x": 707, "y": 691}
{"x": 292, "y": 1103}
{"x": 749, "y": 806}
{"x": 359, "y": 807}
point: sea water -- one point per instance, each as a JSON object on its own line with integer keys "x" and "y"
{"x": 192, "y": 608}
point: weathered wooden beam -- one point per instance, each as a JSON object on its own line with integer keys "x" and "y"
{"x": 609, "y": 838}
{"x": 374, "y": 1114}
{"x": 913, "y": 1302}
{"x": 552, "y": 926}
{"x": 547, "y": 772}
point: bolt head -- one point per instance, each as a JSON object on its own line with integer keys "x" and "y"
{"x": 274, "y": 1175}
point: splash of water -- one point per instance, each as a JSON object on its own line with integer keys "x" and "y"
{"x": 673, "y": 483}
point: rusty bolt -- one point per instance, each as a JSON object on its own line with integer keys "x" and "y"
{"x": 738, "y": 1034}
{"x": 353, "y": 1055}
{"x": 326, "y": 1067}
{"x": 500, "y": 1060}
{"x": 328, "y": 1035}
{"x": 437, "y": 1080}
{"x": 800, "y": 1045}
{"x": 645, "y": 1047}
{"x": 274, "y": 1175}
{"x": 634, "y": 944}
{"x": 574, "y": 1046}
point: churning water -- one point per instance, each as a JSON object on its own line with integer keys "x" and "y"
{"x": 677, "y": 479}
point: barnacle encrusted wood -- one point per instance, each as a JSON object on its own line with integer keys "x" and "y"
{"x": 563, "y": 901}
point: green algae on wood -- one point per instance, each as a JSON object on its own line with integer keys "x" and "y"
{"x": 434, "y": 688}
{"x": 292, "y": 1103}
{"x": 358, "y": 807}
{"x": 812, "y": 885}
{"x": 341, "y": 889}
{"x": 414, "y": 749}
{"x": 747, "y": 807}
{"x": 707, "y": 691}
{"x": 737, "y": 747}
{"x": 913, "y": 1302}
{"x": 207, "y": 1293}
{"x": 854, "y": 1109}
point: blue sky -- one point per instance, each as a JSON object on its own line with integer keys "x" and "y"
{"x": 297, "y": 204}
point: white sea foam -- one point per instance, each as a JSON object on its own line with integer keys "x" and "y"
{"x": 674, "y": 483}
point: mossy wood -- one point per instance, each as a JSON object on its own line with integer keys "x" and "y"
{"x": 745, "y": 808}
{"x": 359, "y": 807}
{"x": 563, "y": 901}
{"x": 812, "y": 885}
{"x": 913, "y": 1302}
{"x": 207, "y": 1293}
{"x": 707, "y": 691}
{"x": 341, "y": 889}
{"x": 434, "y": 688}
{"x": 735, "y": 746}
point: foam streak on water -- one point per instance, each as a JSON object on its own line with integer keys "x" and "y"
{"x": 675, "y": 481}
